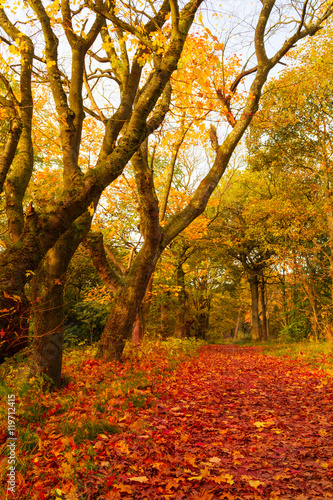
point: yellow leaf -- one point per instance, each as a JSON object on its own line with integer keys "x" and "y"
{"x": 124, "y": 488}
{"x": 140, "y": 479}
{"x": 259, "y": 424}
{"x": 223, "y": 478}
{"x": 215, "y": 460}
{"x": 255, "y": 484}
{"x": 91, "y": 208}
{"x": 123, "y": 447}
{"x": 157, "y": 465}
{"x": 195, "y": 478}
{"x": 205, "y": 472}
{"x": 173, "y": 483}
{"x": 189, "y": 458}
{"x": 69, "y": 457}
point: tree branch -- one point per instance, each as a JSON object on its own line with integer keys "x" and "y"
{"x": 95, "y": 246}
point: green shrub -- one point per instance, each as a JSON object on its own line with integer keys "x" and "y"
{"x": 85, "y": 323}
{"x": 299, "y": 329}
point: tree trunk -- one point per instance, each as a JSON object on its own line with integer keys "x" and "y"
{"x": 310, "y": 290}
{"x": 238, "y": 323}
{"x": 139, "y": 326}
{"x": 180, "y": 320}
{"x": 255, "y": 307}
{"x": 202, "y": 316}
{"x": 329, "y": 218}
{"x": 137, "y": 332}
{"x": 127, "y": 301}
{"x": 48, "y": 300}
{"x": 263, "y": 309}
{"x": 284, "y": 298}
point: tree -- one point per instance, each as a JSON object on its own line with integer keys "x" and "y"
{"x": 138, "y": 113}
{"x": 157, "y": 238}
{"x": 243, "y": 230}
{"x": 291, "y": 136}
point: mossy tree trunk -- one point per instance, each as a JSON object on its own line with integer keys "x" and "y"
{"x": 48, "y": 303}
{"x": 254, "y": 287}
{"x": 180, "y": 320}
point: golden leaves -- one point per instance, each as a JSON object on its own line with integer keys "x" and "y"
{"x": 223, "y": 478}
{"x": 91, "y": 209}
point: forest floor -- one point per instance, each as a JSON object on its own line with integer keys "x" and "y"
{"x": 229, "y": 422}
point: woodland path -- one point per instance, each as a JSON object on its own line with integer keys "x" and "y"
{"x": 230, "y": 424}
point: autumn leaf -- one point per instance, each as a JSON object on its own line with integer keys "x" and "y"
{"x": 255, "y": 484}
{"x": 203, "y": 474}
{"x": 139, "y": 479}
{"x": 223, "y": 478}
{"x": 124, "y": 488}
{"x": 259, "y": 424}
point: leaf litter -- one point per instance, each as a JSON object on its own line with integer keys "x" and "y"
{"x": 230, "y": 423}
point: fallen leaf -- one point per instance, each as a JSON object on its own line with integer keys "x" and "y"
{"x": 140, "y": 479}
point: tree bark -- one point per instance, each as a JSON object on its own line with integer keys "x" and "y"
{"x": 180, "y": 321}
{"x": 263, "y": 308}
{"x": 254, "y": 286}
{"x": 139, "y": 327}
{"x": 127, "y": 301}
{"x": 237, "y": 324}
{"x": 48, "y": 303}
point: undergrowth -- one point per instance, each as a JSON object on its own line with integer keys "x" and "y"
{"x": 315, "y": 354}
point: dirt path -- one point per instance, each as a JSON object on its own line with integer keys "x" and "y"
{"x": 231, "y": 424}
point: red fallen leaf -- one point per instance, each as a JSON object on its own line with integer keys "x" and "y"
{"x": 110, "y": 480}
{"x": 199, "y": 443}
{"x": 53, "y": 410}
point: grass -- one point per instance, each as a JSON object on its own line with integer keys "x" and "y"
{"x": 87, "y": 430}
{"x": 316, "y": 354}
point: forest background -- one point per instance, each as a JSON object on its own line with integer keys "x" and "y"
{"x": 145, "y": 191}
{"x": 166, "y": 182}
